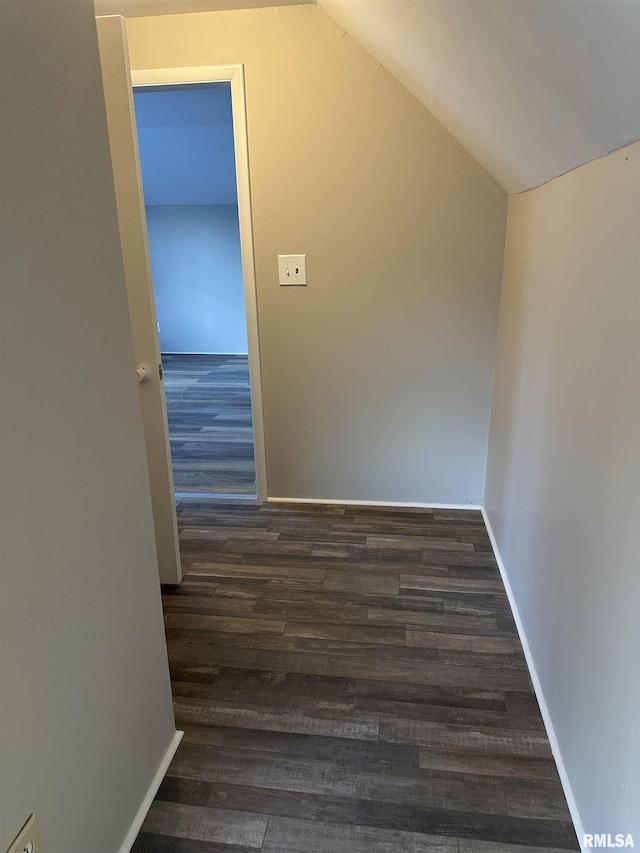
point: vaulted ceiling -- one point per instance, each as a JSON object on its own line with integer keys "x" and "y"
{"x": 531, "y": 88}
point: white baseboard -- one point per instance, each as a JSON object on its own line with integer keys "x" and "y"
{"x": 343, "y": 502}
{"x": 138, "y": 820}
{"x": 546, "y": 716}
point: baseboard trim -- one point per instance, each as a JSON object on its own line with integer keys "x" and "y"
{"x": 145, "y": 805}
{"x": 342, "y": 502}
{"x": 544, "y": 710}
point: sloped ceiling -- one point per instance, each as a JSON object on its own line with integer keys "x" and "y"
{"x": 531, "y": 88}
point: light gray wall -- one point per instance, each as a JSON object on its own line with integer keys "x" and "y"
{"x": 86, "y": 712}
{"x": 376, "y": 378}
{"x": 563, "y": 478}
{"x": 197, "y": 278}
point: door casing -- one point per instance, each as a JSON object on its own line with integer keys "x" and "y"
{"x": 233, "y": 74}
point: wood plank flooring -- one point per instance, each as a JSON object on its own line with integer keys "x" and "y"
{"x": 210, "y": 426}
{"x": 349, "y": 680}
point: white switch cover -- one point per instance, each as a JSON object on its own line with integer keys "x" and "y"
{"x": 292, "y": 270}
{"x": 28, "y": 839}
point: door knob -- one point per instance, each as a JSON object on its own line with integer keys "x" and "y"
{"x": 144, "y": 372}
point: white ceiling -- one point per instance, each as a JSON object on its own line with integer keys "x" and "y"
{"x": 531, "y": 88}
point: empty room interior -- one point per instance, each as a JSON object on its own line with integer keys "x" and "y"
{"x": 348, "y": 566}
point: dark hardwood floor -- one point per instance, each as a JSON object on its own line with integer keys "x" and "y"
{"x": 210, "y": 427}
{"x": 349, "y": 680}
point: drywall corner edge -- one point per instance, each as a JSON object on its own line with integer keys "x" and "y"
{"x": 544, "y": 710}
{"x": 145, "y": 805}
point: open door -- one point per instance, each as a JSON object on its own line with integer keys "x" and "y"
{"x": 148, "y": 78}
{"x": 116, "y": 76}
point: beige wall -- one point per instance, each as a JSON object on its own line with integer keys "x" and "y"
{"x": 85, "y": 715}
{"x": 563, "y": 478}
{"x": 377, "y": 377}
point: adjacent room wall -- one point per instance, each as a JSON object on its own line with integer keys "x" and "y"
{"x": 197, "y": 278}
{"x": 185, "y": 138}
{"x": 563, "y": 479}
{"x": 376, "y": 377}
{"x": 189, "y": 178}
{"x": 86, "y": 714}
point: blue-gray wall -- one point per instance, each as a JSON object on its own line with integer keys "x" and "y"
{"x": 186, "y": 145}
{"x": 197, "y": 278}
{"x": 188, "y": 174}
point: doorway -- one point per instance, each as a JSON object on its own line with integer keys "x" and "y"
{"x": 196, "y": 198}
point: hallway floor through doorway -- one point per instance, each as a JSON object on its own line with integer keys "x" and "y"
{"x": 210, "y": 424}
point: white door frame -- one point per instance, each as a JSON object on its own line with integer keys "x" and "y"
{"x": 233, "y": 74}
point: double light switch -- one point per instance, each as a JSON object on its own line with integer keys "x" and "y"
{"x": 292, "y": 270}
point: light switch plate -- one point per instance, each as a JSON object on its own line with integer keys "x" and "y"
{"x": 28, "y": 839}
{"x": 292, "y": 270}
